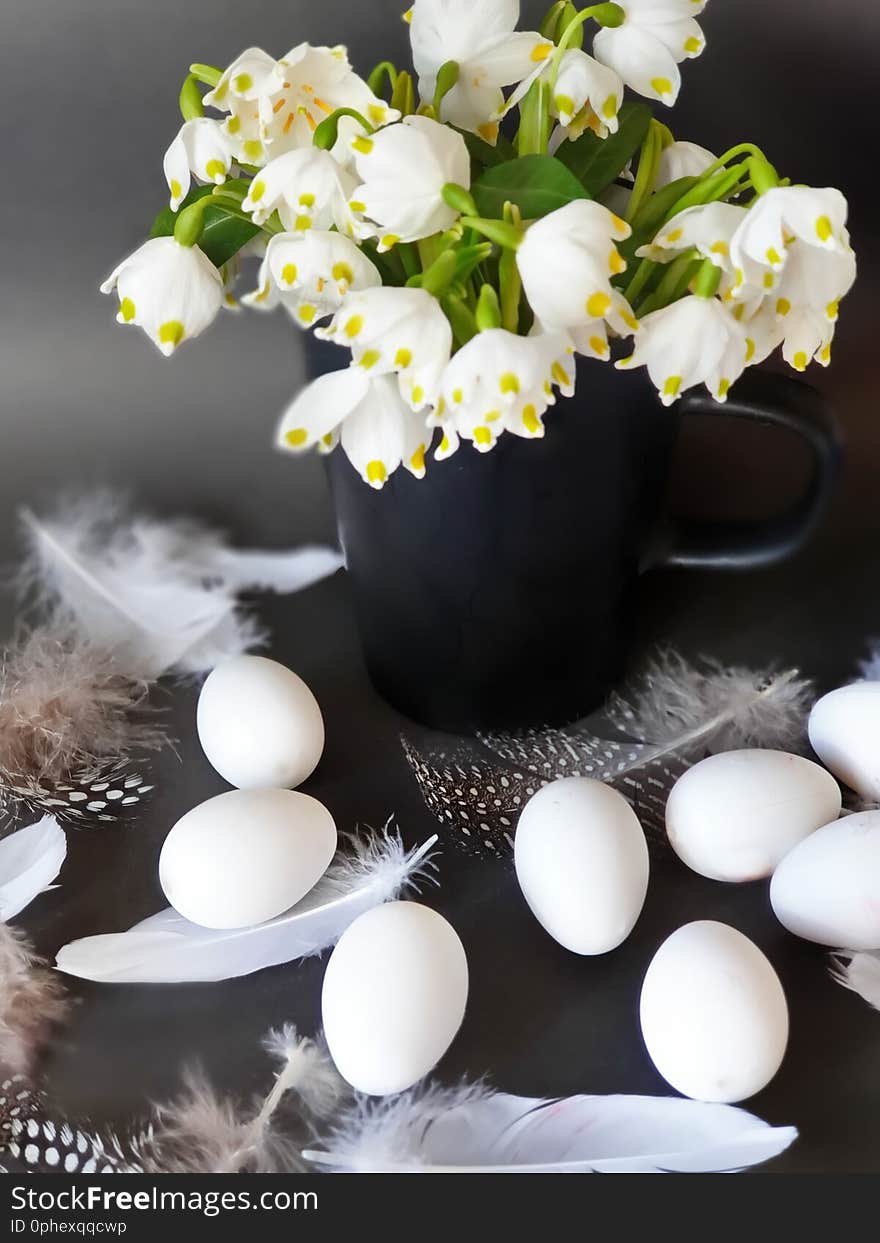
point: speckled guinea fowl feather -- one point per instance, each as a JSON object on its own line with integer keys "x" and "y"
{"x": 675, "y": 714}
{"x": 469, "y": 793}
{"x": 32, "y": 1141}
{"x": 106, "y": 795}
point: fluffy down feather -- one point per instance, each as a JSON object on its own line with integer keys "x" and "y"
{"x": 31, "y": 1002}
{"x": 65, "y": 708}
{"x": 859, "y": 972}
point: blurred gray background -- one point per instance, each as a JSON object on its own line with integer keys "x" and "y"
{"x": 89, "y": 94}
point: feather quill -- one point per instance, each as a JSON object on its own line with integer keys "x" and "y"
{"x": 30, "y": 1002}
{"x": 201, "y": 1132}
{"x": 166, "y": 948}
{"x": 471, "y": 1129}
{"x": 859, "y": 972}
{"x": 30, "y": 860}
{"x": 204, "y": 1133}
{"x": 161, "y": 596}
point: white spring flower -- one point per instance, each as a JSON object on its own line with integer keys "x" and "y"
{"x": 646, "y": 50}
{"x": 482, "y": 39}
{"x": 403, "y": 169}
{"x": 202, "y": 150}
{"x": 377, "y": 429}
{"x": 172, "y": 292}
{"x": 396, "y": 330}
{"x": 587, "y": 95}
{"x": 567, "y": 261}
{"x": 310, "y": 273}
{"x": 276, "y": 105}
{"x": 307, "y": 188}
{"x": 693, "y": 341}
{"x": 682, "y": 159}
{"x": 502, "y": 382}
{"x": 707, "y": 228}
{"x": 802, "y": 311}
{"x": 759, "y": 248}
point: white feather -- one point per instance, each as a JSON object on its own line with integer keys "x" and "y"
{"x": 30, "y": 859}
{"x": 166, "y": 948}
{"x": 470, "y": 1129}
{"x": 161, "y": 596}
{"x": 859, "y": 972}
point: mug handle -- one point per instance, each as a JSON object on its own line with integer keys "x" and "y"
{"x": 776, "y": 400}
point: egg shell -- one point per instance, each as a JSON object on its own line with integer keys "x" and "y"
{"x": 713, "y": 1013}
{"x": 828, "y": 889}
{"x": 845, "y": 734}
{"x": 734, "y": 816}
{"x": 246, "y": 856}
{"x": 394, "y": 996}
{"x": 582, "y": 863}
{"x": 259, "y": 724}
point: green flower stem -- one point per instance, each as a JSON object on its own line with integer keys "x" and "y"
{"x": 461, "y": 317}
{"x": 488, "y": 309}
{"x": 643, "y": 274}
{"x": 384, "y": 70}
{"x": 498, "y": 231}
{"x": 604, "y": 14}
{"x": 743, "y": 148}
{"x": 327, "y": 134}
{"x": 459, "y": 199}
{"x": 409, "y": 257}
{"x": 707, "y": 280}
{"x": 439, "y": 276}
{"x": 208, "y": 75}
{"x": 191, "y": 106}
{"x": 447, "y": 80}
{"x": 649, "y": 163}
{"x": 675, "y": 281}
{"x": 721, "y": 186}
{"x": 510, "y": 285}
{"x": 535, "y": 120}
{"x": 763, "y": 175}
{"x": 429, "y": 249}
{"x": 403, "y": 97}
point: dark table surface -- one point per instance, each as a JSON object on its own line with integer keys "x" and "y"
{"x": 84, "y": 404}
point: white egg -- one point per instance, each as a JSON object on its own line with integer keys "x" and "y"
{"x": 259, "y": 724}
{"x": 714, "y": 1015}
{"x": 582, "y": 863}
{"x": 828, "y": 889}
{"x": 734, "y": 816}
{"x": 845, "y": 734}
{"x": 246, "y": 856}
{"x": 395, "y": 992}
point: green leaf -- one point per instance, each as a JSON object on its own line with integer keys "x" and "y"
{"x": 483, "y": 154}
{"x": 596, "y": 162}
{"x": 223, "y": 235}
{"x": 537, "y": 184}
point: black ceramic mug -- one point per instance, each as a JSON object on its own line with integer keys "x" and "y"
{"x": 498, "y": 592}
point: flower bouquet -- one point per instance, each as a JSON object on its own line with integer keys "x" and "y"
{"x": 467, "y": 234}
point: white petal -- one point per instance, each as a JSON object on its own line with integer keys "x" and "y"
{"x": 582, "y": 81}
{"x": 378, "y": 436}
{"x": 642, "y": 61}
{"x": 682, "y": 159}
{"x": 444, "y": 30}
{"x": 321, "y": 407}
